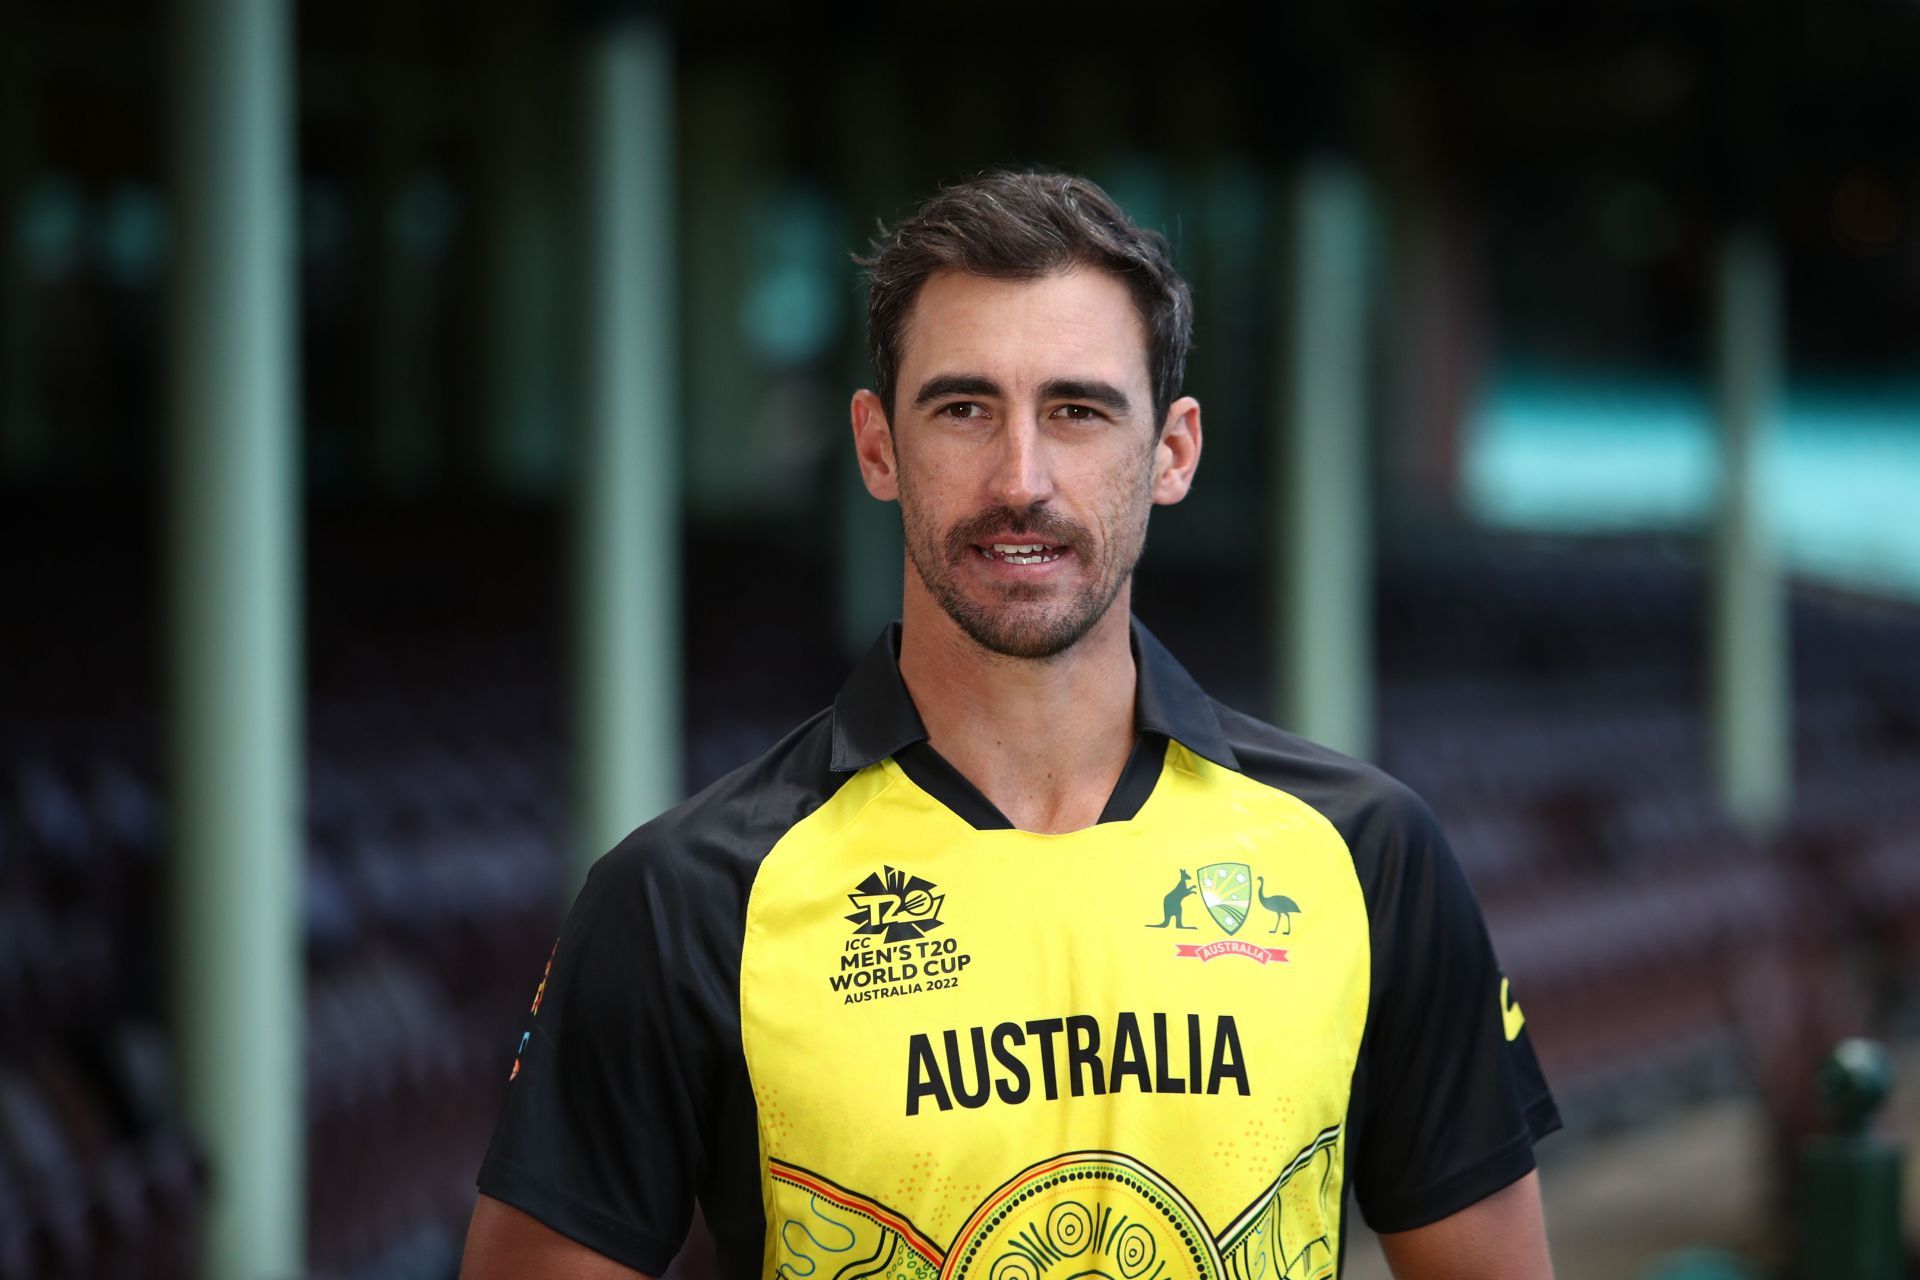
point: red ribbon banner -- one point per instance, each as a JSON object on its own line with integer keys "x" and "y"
{"x": 1231, "y": 947}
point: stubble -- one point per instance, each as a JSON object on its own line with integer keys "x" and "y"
{"x": 1015, "y": 620}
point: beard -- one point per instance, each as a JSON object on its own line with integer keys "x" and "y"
{"x": 1035, "y": 621}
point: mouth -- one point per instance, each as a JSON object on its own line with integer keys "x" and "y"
{"x": 1021, "y": 552}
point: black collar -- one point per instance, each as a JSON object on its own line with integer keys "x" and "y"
{"x": 874, "y": 716}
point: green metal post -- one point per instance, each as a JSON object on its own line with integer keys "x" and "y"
{"x": 1850, "y": 1182}
{"x": 1751, "y": 735}
{"x": 875, "y": 156}
{"x": 627, "y": 599}
{"x": 1322, "y": 540}
{"x": 232, "y": 507}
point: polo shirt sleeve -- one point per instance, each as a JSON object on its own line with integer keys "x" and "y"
{"x": 601, "y": 1133}
{"x": 1453, "y": 1095}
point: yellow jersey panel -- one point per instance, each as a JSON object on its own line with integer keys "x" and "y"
{"x": 1136, "y": 1038}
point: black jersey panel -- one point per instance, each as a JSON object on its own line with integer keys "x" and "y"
{"x": 558, "y": 1151}
{"x": 939, "y": 779}
{"x": 933, "y": 774}
{"x": 1455, "y": 1097}
{"x": 1138, "y": 779}
{"x": 1448, "y": 1094}
{"x": 630, "y": 1093}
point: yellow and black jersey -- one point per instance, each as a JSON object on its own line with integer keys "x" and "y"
{"x": 880, "y": 1032}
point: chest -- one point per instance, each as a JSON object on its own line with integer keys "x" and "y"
{"x": 959, "y": 1036}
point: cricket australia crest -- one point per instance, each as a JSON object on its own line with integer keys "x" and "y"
{"x": 1226, "y": 890}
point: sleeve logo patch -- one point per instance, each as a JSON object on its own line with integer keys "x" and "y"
{"x": 539, "y": 994}
{"x": 1510, "y": 1011}
{"x": 1228, "y": 891}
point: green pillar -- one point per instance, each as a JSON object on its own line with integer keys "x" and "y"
{"x": 875, "y": 158}
{"x": 232, "y": 524}
{"x": 627, "y": 592}
{"x": 1848, "y": 1187}
{"x": 1322, "y": 554}
{"x": 1750, "y": 681}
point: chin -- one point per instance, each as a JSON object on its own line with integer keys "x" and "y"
{"x": 1030, "y": 633}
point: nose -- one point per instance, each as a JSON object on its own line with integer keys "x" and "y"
{"x": 1021, "y": 476}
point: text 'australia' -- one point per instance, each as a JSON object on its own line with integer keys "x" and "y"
{"x": 1050, "y": 1057}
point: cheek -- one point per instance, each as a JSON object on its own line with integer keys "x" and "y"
{"x": 924, "y": 467}
{"x": 1127, "y": 490}
{"x": 926, "y": 508}
{"x": 944, "y": 486}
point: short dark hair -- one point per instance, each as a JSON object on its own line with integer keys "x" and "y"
{"x": 1021, "y": 225}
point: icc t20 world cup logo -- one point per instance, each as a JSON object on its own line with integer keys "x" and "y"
{"x": 899, "y": 905}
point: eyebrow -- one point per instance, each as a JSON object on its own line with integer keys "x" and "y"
{"x": 1104, "y": 394}
{"x": 955, "y": 384}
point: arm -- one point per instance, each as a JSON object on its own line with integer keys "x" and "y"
{"x": 506, "y": 1244}
{"x": 627, "y": 1075}
{"x": 1453, "y": 1095}
{"x": 1503, "y": 1237}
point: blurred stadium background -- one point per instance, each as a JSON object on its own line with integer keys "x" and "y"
{"x": 422, "y": 458}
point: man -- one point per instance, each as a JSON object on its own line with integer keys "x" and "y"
{"x": 1026, "y": 959}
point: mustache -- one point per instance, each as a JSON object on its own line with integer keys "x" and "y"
{"x": 1035, "y": 523}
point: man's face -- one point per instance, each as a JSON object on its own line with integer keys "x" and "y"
{"x": 1025, "y": 446}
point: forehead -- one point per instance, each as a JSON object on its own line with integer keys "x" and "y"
{"x": 1076, "y": 323}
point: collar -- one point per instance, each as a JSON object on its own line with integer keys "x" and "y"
{"x": 874, "y": 716}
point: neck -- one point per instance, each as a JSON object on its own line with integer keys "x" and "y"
{"x": 1044, "y": 740}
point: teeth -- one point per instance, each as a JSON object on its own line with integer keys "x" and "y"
{"x": 1028, "y": 553}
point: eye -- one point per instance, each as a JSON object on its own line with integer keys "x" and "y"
{"x": 961, "y": 409}
{"x": 1078, "y": 413}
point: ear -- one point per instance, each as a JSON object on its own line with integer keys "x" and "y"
{"x": 1177, "y": 454}
{"x": 873, "y": 446}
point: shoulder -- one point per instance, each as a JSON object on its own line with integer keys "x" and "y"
{"x": 1350, "y": 793}
{"x": 1375, "y": 813}
{"x": 712, "y": 843}
{"x": 1418, "y": 900}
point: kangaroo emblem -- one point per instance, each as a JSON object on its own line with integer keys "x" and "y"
{"x": 1173, "y": 903}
